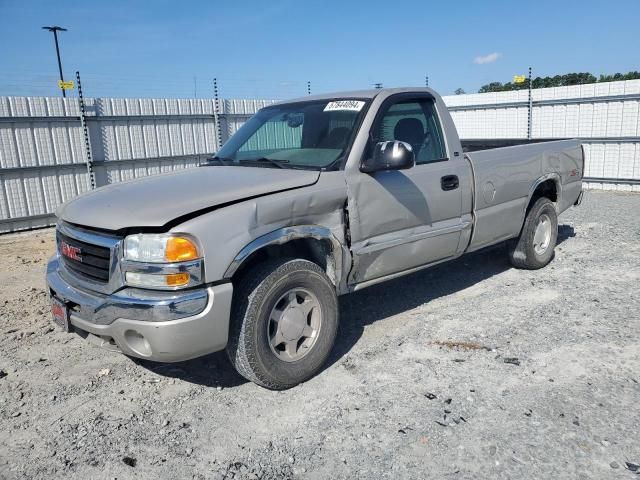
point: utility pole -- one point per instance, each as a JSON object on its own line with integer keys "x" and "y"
{"x": 55, "y": 29}
{"x": 85, "y": 131}
{"x": 377, "y": 86}
{"x": 529, "y": 117}
{"x": 216, "y": 114}
{"x": 426, "y": 80}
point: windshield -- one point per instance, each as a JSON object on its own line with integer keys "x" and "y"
{"x": 314, "y": 135}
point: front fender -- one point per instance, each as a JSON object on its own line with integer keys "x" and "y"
{"x": 229, "y": 235}
{"x": 339, "y": 253}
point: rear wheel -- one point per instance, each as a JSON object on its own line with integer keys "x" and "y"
{"x": 284, "y": 322}
{"x": 534, "y": 247}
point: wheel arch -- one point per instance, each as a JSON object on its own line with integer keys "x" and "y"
{"x": 548, "y": 186}
{"x": 311, "y": 242}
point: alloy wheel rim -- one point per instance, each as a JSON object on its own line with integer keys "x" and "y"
{"x": 542, "y": 235}
{"x": 294, "y": 324}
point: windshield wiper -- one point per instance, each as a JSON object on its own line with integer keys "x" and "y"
{"x": 222, "y": 160}
{"x": 272, "y": 161}
{"x": 333, "y": 165}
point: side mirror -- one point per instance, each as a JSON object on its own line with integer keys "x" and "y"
{"x": 393, "y": 155}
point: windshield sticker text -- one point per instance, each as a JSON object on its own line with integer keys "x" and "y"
{"x": 351, "y": 105}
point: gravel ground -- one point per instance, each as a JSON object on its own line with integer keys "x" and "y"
{"x": 471, "y": 369}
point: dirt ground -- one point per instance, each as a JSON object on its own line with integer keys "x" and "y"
{"x": 471, "y": 369}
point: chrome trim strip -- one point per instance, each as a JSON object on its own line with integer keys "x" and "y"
{"x": 194, "y": 268}
{"x": 118, "y": 266}
{"x": 102, "y": 240}
{"x": 370, "y": 248}
{"x": 138, "y": 304}
{"x": 112, "y": 242}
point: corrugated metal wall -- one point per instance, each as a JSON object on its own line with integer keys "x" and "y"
{"x": 42, "y": 153}
{"x": 606, "y": 116}
{"x": 43, "y": 158}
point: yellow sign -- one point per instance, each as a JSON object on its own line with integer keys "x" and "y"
{"x": 65, "y": 85}
{"x": 519, "y": 79}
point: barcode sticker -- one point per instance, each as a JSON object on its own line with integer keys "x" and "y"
{"x": 351, "y": 105}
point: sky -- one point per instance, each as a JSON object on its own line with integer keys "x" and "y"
{"x": 271, "y": 48}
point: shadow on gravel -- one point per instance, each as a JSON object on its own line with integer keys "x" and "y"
{"x": 396, "y": 296}
{"x": 565, "y": 232}
{"x": 399, "y": 295}
{"x": 363, "y": 308}
{"x": 212, "y": 370}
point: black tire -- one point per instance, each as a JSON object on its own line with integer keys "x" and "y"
{"x": 256, "y": 293}
{"x": 522, "y": 250}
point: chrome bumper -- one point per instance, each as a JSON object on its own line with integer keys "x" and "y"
{"x": 155, "y": 325}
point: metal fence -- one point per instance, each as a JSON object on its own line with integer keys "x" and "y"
{"x": 605, "y": 116}
{"x": 43, "y": 153}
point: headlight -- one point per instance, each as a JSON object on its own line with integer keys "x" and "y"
{"x": 161, "y": 261}
{"x": 162, "y": 248}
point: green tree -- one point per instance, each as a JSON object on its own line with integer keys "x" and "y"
{"x": 492, "y": 87}
{"x": 459, "y": 91}
{"x": 619, "y": 76}
{"x": 559, "y": 81}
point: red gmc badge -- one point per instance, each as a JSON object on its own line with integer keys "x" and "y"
{"x": 69, "y": 251}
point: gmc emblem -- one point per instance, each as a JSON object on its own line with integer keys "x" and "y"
{"x": 74, "y": 253}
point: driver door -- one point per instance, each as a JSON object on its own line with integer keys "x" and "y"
{"x": 405, "y": 218}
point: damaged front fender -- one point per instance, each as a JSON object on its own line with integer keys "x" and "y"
{"x": 338, "y": 255}
{"x": 230, "y": 235}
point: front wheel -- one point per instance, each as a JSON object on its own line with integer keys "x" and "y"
{"x": 284, "y": 323}
{"x": 534, "y": 247}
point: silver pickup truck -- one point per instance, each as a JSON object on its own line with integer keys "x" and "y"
{"x": 312, "y": 198}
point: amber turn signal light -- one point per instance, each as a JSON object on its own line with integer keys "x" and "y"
{"x": 180, "y": 249}
{"x": 177, "y": 279}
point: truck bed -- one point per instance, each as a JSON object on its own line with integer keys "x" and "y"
{"x": 503, "y": 184}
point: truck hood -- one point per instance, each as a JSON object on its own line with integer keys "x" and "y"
{"x": 157, "y": 200}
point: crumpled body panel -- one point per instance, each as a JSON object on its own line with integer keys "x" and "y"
{"x": 155, "y": 201}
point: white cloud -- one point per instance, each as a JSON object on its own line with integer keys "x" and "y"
{"x": 492, "y": 57}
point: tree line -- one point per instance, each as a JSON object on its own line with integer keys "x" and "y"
{"x": 555, "y": 81}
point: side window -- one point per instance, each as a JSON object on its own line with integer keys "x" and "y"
{"x": 414, "y": 122}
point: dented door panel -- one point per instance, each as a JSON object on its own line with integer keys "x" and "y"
{"x": 404, "y": 219}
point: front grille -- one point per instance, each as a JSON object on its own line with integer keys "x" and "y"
{"x": 94, "y": 260}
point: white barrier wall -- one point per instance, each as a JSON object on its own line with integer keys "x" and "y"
{"x": 606, "y": 116}
{"x": 43, "y": 155}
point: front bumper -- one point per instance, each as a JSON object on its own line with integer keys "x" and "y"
{"x": 161, "y": 326}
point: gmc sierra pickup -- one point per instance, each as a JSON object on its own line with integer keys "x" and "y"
{"x": 312, "y": 198}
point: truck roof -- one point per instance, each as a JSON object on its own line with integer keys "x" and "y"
{"x": 363, "y": 94}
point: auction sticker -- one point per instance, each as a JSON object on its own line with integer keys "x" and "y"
{"x": 350, "y": 105}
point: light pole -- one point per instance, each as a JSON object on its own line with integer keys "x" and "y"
{"x": 55, "y": 30}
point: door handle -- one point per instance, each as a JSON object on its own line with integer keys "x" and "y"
{"x": 449, "y": 182}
